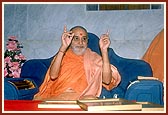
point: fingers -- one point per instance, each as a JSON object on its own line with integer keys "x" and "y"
{"x": 68, "y": 34}
{"x": 107, "y": 33}
{"x": 65, "y": 29}
{"x": 105, "y": 38}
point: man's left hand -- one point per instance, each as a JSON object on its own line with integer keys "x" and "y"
{"x": 104, "y": 41}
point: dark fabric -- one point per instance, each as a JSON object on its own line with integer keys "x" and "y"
{"x": 11, "y": 92}
{"x": 129, "y": 69}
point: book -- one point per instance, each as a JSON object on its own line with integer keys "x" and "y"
{"x": 114, "y": 104}
{"x": 148, "y": 106}
{"x": 23, "y": 84}
{"x": 147, "y": 78}
{"x": 59, "y": 104}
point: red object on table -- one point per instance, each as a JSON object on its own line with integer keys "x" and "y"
{"x": 29, "y": 105}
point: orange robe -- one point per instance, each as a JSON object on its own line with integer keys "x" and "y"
{"x": 83, "y": 74}
{"x": 155, "y": 55}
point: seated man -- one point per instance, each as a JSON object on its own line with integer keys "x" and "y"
{"x": 76, "y": 72}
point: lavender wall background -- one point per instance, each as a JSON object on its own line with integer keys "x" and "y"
{"x": 39, "y": 27}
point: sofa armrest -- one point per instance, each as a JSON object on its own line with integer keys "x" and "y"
{"x": 19, "y": 89}
{"x": 35, "y": 69}
{"x": 145, "y": 91}
{"x": 129, "y": 69}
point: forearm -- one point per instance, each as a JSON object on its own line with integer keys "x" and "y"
{"x": 56, "y": 64}
{"x": 106, "y": 70}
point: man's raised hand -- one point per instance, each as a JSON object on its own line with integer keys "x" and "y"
{"x": 67, "y": 37}
{"x": 104, "y": 41}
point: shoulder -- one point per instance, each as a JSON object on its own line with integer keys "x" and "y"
{"x": 93, "y": 54}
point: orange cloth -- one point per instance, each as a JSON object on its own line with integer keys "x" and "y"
{"x": 81, "y": 73}
{"x": 155, "y": 55}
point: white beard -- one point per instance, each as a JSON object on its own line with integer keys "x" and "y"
{"x": 78, "y": 50}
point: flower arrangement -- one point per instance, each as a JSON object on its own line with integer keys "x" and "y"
{"x": 13, "y": 58}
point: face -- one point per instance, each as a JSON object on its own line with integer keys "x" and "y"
{"x": 79, "y": 42}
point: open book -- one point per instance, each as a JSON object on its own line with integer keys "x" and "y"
{"x": 58, "y": 104}
{"x": 109, "y": 105}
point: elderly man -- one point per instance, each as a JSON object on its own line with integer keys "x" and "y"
{"x": 76, "y": 72}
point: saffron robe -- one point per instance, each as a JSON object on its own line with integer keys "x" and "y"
{"x": 83, "y": 74}
{"x": 155, "y": 55}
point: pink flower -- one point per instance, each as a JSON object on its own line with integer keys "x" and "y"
{"x": 5, "y": 65}
{"x": 16, "y": 57}
{"x": 10, "y": 64}
{"x": 22, "y": 57}
{"x": 11, "y": 45}
{"x": 7, "y": 59}
{"x": 12, "y": 37}
{"x": 13, "y": 60}
{"x": 10, "y": 75}
{"x": 16, "y": 74}
{"x": 15, "y": 65}
{"x": 5, "y": 72}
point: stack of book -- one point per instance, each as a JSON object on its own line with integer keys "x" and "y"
{"x": 59, "y": 104}
{"x": 114, "y": 104}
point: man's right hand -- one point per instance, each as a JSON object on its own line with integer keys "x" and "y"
{"x": 66, "y": 39}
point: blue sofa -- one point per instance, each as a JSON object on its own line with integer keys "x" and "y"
{"x": 129, "y": 69}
